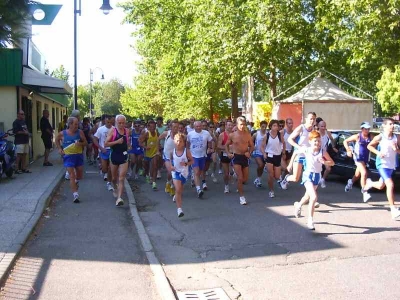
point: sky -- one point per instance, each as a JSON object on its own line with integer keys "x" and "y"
{"x": 103, "y": 43}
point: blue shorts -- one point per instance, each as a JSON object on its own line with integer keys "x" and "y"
{"x": 300, "y": 160}
{"x": 364, "y": 159}
{"x": 105, "y": 156}
{"x": 136, "y": 151}
{"x": 199, "y": 163}
{"x": 73, "y": 160}
{"x": 312, "y": 177}
{"x": 178, "y": 176}
{"x": 147, "y": 158}
{"x": 255, "y": 155}
{"x": 385, "y": 173}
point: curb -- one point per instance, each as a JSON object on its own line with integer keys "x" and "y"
{"x": 164, "y": 288}
{"x": 18, "y": 243}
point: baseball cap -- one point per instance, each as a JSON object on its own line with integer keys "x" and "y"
{"x": 365, "y": 125}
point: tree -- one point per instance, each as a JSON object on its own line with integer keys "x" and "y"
{"x": 13, "y": 15}
{"x": 106, "y": 98}
{"x": 389, "y": 91}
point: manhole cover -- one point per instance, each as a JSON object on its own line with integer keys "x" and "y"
{"x": 212, "y": 294}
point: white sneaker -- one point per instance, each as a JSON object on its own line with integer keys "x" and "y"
{"x": 220, "y": 171}
{"x": 158, "y": 174}
{"x": 205, "y": 187}
{"x": 395, "y": 213}
{"x": 348, "y": 186}
{"x": 271, "y": 194}
{"x": 284, "y": 183}
{"x": 297, "y": 209}
{"x": 243, "y": 200}
{"x": 256, "y": 181}
{"x": 119, "y": 202}
{"x": 200, "y": 193}
{"x": 366, "y": 196}
{"x": 214, "y": 179}
{"x": 265, "y": 169}
{"x": 367, "y": 186}
{"x": 173, "y": 199}
{"x": 105, "y": 177}
{"x": 310, "y": 224}
{"x": 180, "y": 212}
{"x": 66, "y": 176}
{"x": 76, "y": 198}
{"x": 316, "y": 205}
{"x": 322, "y": 183}
{"x": 109, "y": 187}
{"x": 226, "y": 189}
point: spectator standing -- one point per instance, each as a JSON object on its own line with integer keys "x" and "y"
{"x": 47, "y": 137}
{"x": 21, "y": 142}
{"x": 63, "y": 124}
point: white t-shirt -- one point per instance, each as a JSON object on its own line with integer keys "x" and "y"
{"x": 198, "y": 142}
{"x": 101, "y": 134}
{"x": 189, "y": 129}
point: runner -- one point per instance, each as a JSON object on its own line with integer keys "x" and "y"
{"x": 199, "y": 143}
{"x": 73, "y": 141}
{"x": 92, "y": 132}
{"x": 258, "y": 156}
{"x": 190, "y": 126}
{"x": 242, "y": 147}
{"x": 136, "y": 152}
{"x": 360, "y": 154}
{"x": 99, "y": 140}
{"x": 86, "y": 128}
{"x": 119, "y": 142}
{"x": 314, "y": 158}
{"x": 169, "y": 146}
{"x": 161, "y": 128}
{"x": 301, "y": 132}
{"x": 273, "y": 148}
{"x": 209, "y": 157}
{"x": 214, "y": 155}
{"x": 149, "y": 141}
{"x": 223, "y": 155}
{"x": 326, "y": 136}
{"x": 289, "y": 148}
{"x": 178, "y": 164}
{"x": 386, "y": 147}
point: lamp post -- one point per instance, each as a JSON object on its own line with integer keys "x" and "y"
{"x": 90, "y": 88}
{"x": 106, "y": 7}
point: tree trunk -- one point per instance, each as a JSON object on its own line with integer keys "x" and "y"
{"x": 272, "y": 81}
{"x": 234, "y": 100}
{"x": 211, "y": 110}
{"x": 250, "y": 98}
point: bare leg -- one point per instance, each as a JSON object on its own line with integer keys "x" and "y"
{"x": 239, "y": 173}
{"x": 122, "y": 170}
{"x": 178, "y": 193}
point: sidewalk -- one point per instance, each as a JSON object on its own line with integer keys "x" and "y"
{"x": 22, "y": 201}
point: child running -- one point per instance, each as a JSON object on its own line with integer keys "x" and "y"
{"x": 178, "y": 164}
{"x": 315, "y": 157}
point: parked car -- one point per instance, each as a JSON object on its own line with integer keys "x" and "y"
{"x": 344, "y": 165}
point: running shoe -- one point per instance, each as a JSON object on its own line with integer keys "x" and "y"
{"x": 105, "y": 177}
{"x": 271, "y": 194}
{"x": 242, "y": 200}
{"x": 214, "y": 179}
{"x": 76, "y": 198}
{"x": 284, "y": 183}
{"x": 110, "y": 188}
{"x": 66, "y": 174}
{"x": 322, "y": 183}
{"x": 226, "y": 189}
{"x": 366, "y": 196}
{"x": 200, "y": 193}
{"x": 119, "y": 202}
{"x": 310, "y": 224}
{"x": 205, "y": 187}
{"x": 316, "y": 205}
{"x": 297, "y": 209}
{"x": 141, "y": 172}
{"x": 219, "y": 171}
{"x": 172, "y": 190}
{"x": 395, "y": 213}
{"x": 173, "y": 199}
{"x": 349, "y": 185}
{"x": 256, "y": 181}
{"x": 154, "y": 186}
{"x": 367, "y": 186}
{"x": 180, "y": 212}
{"x": 148, "y": 179}
{"x": 158, "y": 174}
{"x": 167, "y": 187}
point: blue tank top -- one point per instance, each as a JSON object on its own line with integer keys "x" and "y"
{"x": 135, "y": 140}
{"x": 360, "y": 149}
{"x": 68, "y": 144}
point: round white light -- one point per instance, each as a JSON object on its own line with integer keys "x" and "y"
{"x": 39, "y": 14}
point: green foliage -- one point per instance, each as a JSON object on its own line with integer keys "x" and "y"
{"x": 389, "y": 91}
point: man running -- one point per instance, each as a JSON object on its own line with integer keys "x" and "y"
{"x": 161, "y": 128}
{"x": 149, "y": 141}
{"x": 223, "y": 154}
{"x": 136, "y": 153}
{"x": 199, "y": 144}
{"x": 258, "y": 156}
{"x": 242, "y": 147}
{"x": 386, "y": 147}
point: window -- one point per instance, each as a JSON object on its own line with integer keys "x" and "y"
{"x": 38, "y": 114}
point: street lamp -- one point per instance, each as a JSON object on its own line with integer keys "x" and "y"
{"x": 106, "y": 7}
{"x": 90, "y": 88}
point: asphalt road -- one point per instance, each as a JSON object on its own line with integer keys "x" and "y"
{"x": 261, "y": 251}
{"x": 89, "y": 250}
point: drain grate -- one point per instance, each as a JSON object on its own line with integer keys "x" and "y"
{"x": 212, "y": 294}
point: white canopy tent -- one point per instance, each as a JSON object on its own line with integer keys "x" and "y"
{"x": 338, "y": 108}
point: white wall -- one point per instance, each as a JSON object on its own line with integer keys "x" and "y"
{"x": 8, "y": 105}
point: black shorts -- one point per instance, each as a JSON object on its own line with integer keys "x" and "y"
{"x": 274, "y": 160}
{"x": 240, "y": 159}
{"x": 47, "y": 142}
{"x": 118, "y": 158}
{"x": 224, "y": 159}
{"x": 288, "y": 155}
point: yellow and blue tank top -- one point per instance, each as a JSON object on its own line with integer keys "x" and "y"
{"x": 69, "y": 145}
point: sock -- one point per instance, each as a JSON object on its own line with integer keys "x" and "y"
{"x": 76, "y": 181}
{"x": 75, "y": 194}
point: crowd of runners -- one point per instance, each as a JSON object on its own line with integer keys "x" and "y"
{"x": 197, "y": 150}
